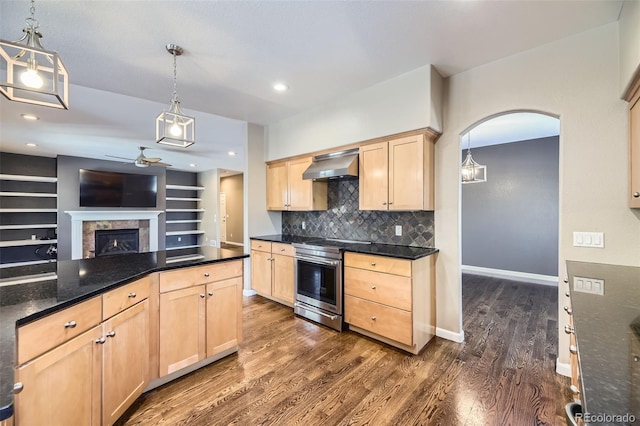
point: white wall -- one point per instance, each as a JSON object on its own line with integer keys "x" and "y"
{"x": 577, "y": 79}
{"x": 407, "y": 102}
{"x": 629, "y": 42}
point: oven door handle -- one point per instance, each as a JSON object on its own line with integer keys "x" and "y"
{"x": 299, "y": 305}
{"x": 318, "y": 260}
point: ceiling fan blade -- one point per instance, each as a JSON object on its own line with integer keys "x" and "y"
{"x": 159, "y": 163}
{"x": 152, "y": 159}
{"x": 122, "y": 158}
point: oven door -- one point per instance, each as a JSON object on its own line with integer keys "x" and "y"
{"x": 319, "y": 282}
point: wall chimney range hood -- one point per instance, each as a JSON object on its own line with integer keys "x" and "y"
{"x": 334, "y": 165}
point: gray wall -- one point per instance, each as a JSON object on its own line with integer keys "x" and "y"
{"x": 232, "y": 186}
{"x": 510, "y": 222}
{"x": 69, "y": 194}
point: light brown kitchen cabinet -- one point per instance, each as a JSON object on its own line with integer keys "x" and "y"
{"x": 398, "y": 174}
{"x": 194, "y": 321}
{"x": 391, "y": 299}
{"x": 634, "y": 147}
{"x": 286, "y": 190}
{"x": 272, "y": 270}
{"x": 63, "y": 386}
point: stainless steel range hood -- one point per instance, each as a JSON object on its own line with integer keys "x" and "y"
{"x": 333, "y": 165}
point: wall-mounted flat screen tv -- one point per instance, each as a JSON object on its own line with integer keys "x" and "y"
{"x": 111, "y": 189}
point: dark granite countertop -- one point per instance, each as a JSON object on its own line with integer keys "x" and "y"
{"x": 77, "y": 280}
{"x": 607, "y": 332}
{"x": 390, "y": 250}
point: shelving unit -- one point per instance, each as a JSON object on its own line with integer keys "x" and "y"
{"x": 28, "y": 217}
{"x": 184, "y": 213}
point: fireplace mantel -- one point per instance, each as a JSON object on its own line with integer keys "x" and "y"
{"x": 79, "y": 216}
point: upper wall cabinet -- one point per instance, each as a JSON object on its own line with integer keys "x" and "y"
{"x": 634, "y": 146}
{"x": 398, "y": 174}
{"x": 286, "y": 190}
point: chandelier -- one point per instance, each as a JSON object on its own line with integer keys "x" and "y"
{"x": 173, "y": 127}
{"x": 30, "y": 73}
{"x": 472, "y": 172}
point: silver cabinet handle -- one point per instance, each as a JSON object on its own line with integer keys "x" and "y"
{"x": 132, "y": 295}
{"x": 384, "y": 204}
{"x": 390, "y": 202}
{"x": 567, "y": 294}
{"x": 568, "y": 310}
{"x": 210, "y": 293}
{"x": 574, "y": 389}
{"x": 573, "y": 349}
{"x": 566, "y": 281}
{"x": 202, "y": 295}
{"x": 568, "y": 329}
{"x": 373, "y": 287}
{"x": 269, "y": 259}
{"x": 206, "y": 274}
{"x": 373, "y": 318}
{"x": 636, "y": 358}
{"x": 101, "y": 340}
{"x": 111, "y": 334}
{"x": 70, "y": 324}
{"x": 17, "y": 388}
{"x": 636, "y": 194}
{"x": 373, "y": 263}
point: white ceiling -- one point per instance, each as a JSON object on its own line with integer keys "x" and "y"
{"x": 234, "y": 52}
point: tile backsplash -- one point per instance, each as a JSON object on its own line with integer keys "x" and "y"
{"x": 343, "y": 220}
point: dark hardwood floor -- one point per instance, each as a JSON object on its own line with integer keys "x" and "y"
{"x": 292, "y": 372}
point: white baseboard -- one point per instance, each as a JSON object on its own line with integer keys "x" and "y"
{"x": 249, "y": 292}
{"x": 563, "y": 368}
{"x": 450, "y": 335}
{"x": 511, "y": 275}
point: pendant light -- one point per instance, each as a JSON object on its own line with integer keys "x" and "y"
{"x": 173, "y": 127}
{"x": 30, "y": 73}
{"x": 472, "y": 172}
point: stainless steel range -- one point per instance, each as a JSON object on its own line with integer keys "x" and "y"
{"x": 318, "y": 281}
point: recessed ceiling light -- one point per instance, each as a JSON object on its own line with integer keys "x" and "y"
{"x": 30, "y": 117}
{"x": 192, "y": 165}
{"x": 31, "y": 145}
{"x": 231, "y": 153}
{"x": 280, "y": 87}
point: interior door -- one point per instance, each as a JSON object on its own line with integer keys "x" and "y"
{"x": 223, "y": 217}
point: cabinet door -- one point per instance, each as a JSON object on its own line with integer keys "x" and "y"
{"x": 261, "y": 272}
{"x": 634, "y": 152}
{"x": 283, "y": 277}
{"x": 182, "y": 328}
{"x": 277, "y": 186}
{"x": 300, "y": 190}
{"x": 406, "y": 173}
{"x": 125, "y": 360}
{"x": 62, "y": 387}
{"x": 224, "y": 315}
{"x": 374, "y": 172}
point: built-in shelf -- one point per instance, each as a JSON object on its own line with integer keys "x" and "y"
{"x": 28, "y": 210}
{"x": 15, "y": 243}
{"x": 28, "y": 278}
{"x": 184, "y": 221}
{"x": 183, "y": 247}
{"x": 183, "y": 199}
{"x": 28, "y": 194}
{"x": 32, "y": 226}
{"x": 188, "y": 232}
{"x": 185, "y": 210}
{"x": 24, "y": 178}
{"x": 27, "y": 263}
{"x": 185, "y": 258}
{"x": 186, "y": 187}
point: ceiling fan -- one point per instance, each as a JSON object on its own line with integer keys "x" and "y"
{"x": 142, "y": 161}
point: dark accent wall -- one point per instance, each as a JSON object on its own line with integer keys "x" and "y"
{"x": 343, "y": 220}
{"x": 176, "y": 177}
{"x": 510, "y": 222}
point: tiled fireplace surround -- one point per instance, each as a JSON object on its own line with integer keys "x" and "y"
{"x": 89, "y": 233}
{"x": 343, "y": 220}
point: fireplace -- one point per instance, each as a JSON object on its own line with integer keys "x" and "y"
{"x": 116, "y": 241}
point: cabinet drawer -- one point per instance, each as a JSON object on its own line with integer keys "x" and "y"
{"x": 121, "y": 298}
{"x": 261, "y": 245}
{"x": 392, "y": 290}
{"x": 283, "y": 249}
{"x": 188, "y": 277}
{"x": 384, "y": 264}
{"x": 40, "y": 336}
{"x": 392, "y": 323}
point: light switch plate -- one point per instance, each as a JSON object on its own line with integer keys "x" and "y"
{"x": 588, "y": 239}
{"x": 588, "y": 285}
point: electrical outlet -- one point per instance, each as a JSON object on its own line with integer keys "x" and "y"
{"x": 304, "y": 225}
{"x": 179, "y": 239}
{"x": 588, "y": 285}
{"x": 398, "y": 230}
{"x": 588, "y": 239}
{"x": 213, "y": 243}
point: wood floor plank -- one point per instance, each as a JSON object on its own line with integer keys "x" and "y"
{"x": 289, "y": 371}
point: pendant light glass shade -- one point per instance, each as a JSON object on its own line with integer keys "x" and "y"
{"x": 173, "y": 127}
{"x": 471, "y": 171}
{"x": 29, "y": 73}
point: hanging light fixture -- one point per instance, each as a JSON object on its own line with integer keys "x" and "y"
{"x": 29, "y": 73}
{"x": 172, "y": 126}
{"x": 472, "y": 172}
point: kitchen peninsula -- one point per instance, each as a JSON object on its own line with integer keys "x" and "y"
{"x": 74, "y": 328}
